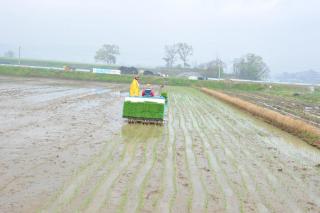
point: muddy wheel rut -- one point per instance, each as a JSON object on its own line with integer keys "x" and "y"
{"x": 72, "y": 152}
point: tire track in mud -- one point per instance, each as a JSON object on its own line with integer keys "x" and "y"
{"x": 271, "y": 180}
{"x": 87, "y": 191}
{"x": 277, "y": 161}
{"x": 259, "y": 204}
{"x": 169, "y": 182}
{"x": 221, "y": 178}
{"x": 311, "y": 195}
{"x": 203, "y": 122}
{"x": 182, "y": 201}
{"x": 231, "y": 146}
{"x": 273, "y": 162}
{"x": 121, "y": 188}
{"x": 152, "y": 186}
{"x": 97, "y": 182}
{"x": 96, "y": 200}
{"x": 198, "y": 196}
{"x": 114, "y": 192}
{"x": 181, "y": 112}
{"x": 138, "y": 204}
{"x": 85, "y": 174}
{"x": 134, "y": 191}
{"x": 118, "y": 196}
{"x": 79, "y": 180}
{"x": 208, "y": 158}
{"x": 229, "y": 161}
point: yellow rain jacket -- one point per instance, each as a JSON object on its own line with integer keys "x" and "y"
{"x": 134, "y": 88}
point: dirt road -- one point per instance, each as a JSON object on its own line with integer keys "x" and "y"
{"x": 65, "y": 148}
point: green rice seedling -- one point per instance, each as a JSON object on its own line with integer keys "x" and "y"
{"x": 145, "y": 110}
{"x": 165, "y": 95}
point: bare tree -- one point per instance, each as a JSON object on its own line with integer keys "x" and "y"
{"x": 184, "y": 51}
{"x": 107, "y": 53}
{"x": 170, "y": 55}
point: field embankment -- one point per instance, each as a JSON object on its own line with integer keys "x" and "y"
{"x": 307, "y": 132}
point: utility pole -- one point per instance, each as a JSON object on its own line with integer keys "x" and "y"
{"x": 219, "y": 70}
{"x": 19, "y": 54}
{"x": 218, "y": 63}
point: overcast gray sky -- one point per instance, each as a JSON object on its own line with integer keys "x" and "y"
{"x": 285, "y": 33}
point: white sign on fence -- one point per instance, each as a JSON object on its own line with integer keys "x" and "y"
{"x": 106, "y": 71}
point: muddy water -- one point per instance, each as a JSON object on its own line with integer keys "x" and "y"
{"x": 65, "y": 148}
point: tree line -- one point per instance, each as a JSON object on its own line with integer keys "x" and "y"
{"x": 249, "y": 66}
{"x": 177, "y": 55}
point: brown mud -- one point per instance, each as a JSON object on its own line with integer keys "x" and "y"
{"x": 65, "y": 148}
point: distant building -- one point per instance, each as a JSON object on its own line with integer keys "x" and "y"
{"x": 192, "y": 75}
{"x": 162, "y": 75}
{"x": 128, "y": 70}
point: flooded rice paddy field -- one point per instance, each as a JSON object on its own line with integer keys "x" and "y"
{"x": 65, "y": 148}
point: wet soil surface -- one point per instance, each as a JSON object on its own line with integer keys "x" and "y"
{"x": 65, "y": 148}
{"x": 308, "y": 112}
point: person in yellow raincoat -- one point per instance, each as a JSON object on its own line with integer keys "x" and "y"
{"x": 134, "y": 87}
